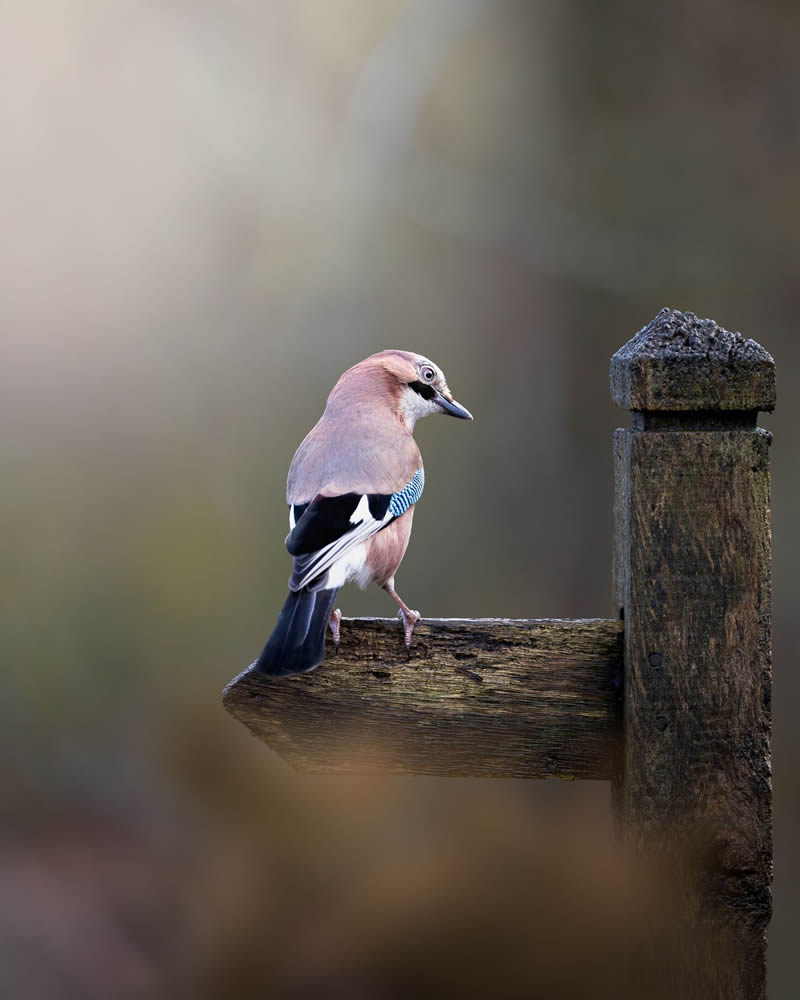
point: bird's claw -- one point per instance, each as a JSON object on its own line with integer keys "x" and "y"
{"x": 409, "y": 621}
{"x": 335, "y": 624}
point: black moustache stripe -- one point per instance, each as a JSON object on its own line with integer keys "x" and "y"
{"x": 426, "y": 391}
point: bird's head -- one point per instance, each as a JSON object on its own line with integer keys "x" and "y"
{"x": 416, "y": 386}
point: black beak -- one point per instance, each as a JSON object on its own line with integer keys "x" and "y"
{"x": 452, "y": 407}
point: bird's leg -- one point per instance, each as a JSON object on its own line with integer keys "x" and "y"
{"x": 410, "y": 618}
{"x": 335, "y": 624}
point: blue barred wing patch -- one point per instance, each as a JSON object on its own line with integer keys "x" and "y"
{"x": 409, "y": 494}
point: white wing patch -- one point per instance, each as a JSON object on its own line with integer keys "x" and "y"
{"x": 334, "y": 551}
{"x": 341, "y": 554}
{"x": 361, "y": 513}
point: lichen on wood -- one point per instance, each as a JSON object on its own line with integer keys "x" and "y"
{"x": 692, "y": 579}
{"x": 493, "y": 697}
{"x": 681, "y": 362}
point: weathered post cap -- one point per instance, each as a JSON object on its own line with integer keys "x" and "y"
{"x": 680, "y": 362}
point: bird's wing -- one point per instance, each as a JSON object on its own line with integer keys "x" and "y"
{"x": 323, "y": 531}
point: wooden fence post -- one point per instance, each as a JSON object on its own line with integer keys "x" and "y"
{"x": 692, "y": 580}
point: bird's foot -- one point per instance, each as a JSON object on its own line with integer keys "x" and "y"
{"x": 335, "y": 624}
{"x": 409, "y": 619}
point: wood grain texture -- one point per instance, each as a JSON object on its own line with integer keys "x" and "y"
{"x": 681, "y": 362}
{"x": 478, "y": 697}
{"x": 692, "y": 577}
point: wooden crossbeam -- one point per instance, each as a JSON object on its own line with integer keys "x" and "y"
{"x": 478, "y": 697}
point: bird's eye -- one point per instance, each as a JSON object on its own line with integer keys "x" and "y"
{"x": 428, "y": 374}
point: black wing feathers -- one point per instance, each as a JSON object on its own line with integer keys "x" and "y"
{"x": 324, "y": 521}
{"x": 298, "y": 510}
{"x": 327, "y": 519}
{"x": 378, "y": 504}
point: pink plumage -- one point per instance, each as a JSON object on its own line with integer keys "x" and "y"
{"x": 352, "y": 486}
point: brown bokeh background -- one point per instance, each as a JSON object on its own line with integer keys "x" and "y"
{"x": 209, "y": 211}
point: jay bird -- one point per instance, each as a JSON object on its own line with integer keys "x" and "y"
{"x": 351, "y": 491}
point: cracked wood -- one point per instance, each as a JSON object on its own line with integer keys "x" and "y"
{"x": 478, "y": 697}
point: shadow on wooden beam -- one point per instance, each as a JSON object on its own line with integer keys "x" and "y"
{"x": 478, "y": 697}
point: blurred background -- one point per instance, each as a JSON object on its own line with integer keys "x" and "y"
{"x": 209, "y": 210}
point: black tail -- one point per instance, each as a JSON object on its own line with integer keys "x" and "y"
{"x": 297, "y": 643}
